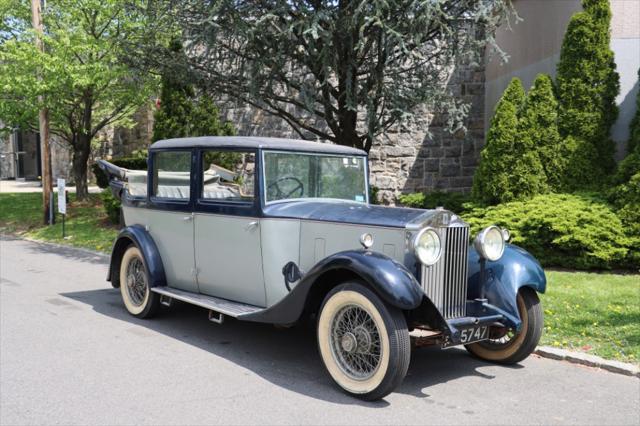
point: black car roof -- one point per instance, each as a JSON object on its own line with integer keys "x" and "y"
{"x": 250, "y": 142}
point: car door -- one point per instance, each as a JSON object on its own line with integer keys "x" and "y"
{"x": 169, "y": 218}
{"x": 227, "y": 229}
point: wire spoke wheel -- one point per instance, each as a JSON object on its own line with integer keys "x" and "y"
{"x": 355, "y": 342}
{"x": 136, "y": 281}
{"x": 364, "y": 343}
{"x": 135, "y": 285}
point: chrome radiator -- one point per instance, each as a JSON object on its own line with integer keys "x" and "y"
{"x": 445, "y": 283}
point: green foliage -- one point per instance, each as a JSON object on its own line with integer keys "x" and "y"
{"x": 80, "y": 77}
{"x": 634, "y": 130}
{"x": 587, "y": 85}
{"x": 181, "y": 113}
{"x": 572, "y": 231}
{"x": 538, "y": 129}
{"x": 349, "y": 70}
{"x": 111, "y": 206}
{"x": 625, "y": 196}
{"x": 454, "y": 201}
{"x": 509, "y": 166}
{"x": 373, "y": 194}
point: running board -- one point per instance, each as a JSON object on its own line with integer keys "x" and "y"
{"x": 223, "y": 306}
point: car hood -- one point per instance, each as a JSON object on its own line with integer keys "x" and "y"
{"x": 346, "y": 212}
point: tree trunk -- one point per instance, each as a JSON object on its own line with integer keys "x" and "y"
{"x": 81, "y": 152}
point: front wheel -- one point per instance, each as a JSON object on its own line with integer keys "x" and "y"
{"x": 513, "y": 347}
{"x": 139, "y": 300}
{"x": 364, "y": 343}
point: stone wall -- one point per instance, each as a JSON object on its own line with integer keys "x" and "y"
{"x": 426, "y": 158}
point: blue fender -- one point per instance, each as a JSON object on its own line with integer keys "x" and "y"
{"x": 387, "y": 277}
{"x": 138, "y": 236}
{"x": 499, "y": 281}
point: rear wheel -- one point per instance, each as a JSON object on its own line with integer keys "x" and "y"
{"x": 512, "y": 347}
{"x": 139, "y": 300}
{"x": 364, "y": 343}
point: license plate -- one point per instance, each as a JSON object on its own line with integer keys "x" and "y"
{"x": 474, "y": 334}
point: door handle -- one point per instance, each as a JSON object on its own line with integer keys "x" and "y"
{"x": 187, "y": 218}
{"x": 251, "y": 225}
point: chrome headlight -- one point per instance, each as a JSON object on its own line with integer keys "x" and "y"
{"x": 490, "y": 243}
{"x": 427, "y": 247}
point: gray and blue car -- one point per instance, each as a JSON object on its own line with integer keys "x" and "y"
{"x": 281, "y": 231}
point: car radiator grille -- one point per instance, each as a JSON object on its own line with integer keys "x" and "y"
{"x": 445, "y": 283}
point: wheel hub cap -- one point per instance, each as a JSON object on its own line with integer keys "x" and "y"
{"x": 349, "y": 343}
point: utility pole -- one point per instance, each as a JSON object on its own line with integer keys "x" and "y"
{"x": 47, "y": 184}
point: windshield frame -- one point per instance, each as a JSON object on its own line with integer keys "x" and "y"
{"x": 263, "y": 176}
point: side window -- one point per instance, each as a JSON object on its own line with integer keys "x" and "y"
{"x": 172, "y": 175}
{"x": 228, "y": 175}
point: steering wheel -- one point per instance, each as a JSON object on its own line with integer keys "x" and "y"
{"x": 280, "y": 194}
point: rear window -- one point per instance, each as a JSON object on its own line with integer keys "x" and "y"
{"x": 172, "y": 175}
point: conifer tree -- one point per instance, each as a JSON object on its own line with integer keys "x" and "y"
{"x": 634, "y": 131}
{"x": 181, "y": 112}
{"x": 587, "y": 85}
{"x": 538, "y": 129}
{"x": 509, "y": 168}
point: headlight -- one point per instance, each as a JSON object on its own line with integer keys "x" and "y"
{"x": 490, "y": 243}
{"x": 427, "y": 246}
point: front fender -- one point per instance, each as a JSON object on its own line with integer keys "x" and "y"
{"x": 387, "y": 277}
{"x": 138, "y": 236}
{"x": 499, "y": 281}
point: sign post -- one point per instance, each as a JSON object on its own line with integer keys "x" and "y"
{"x": 62, "y": 202}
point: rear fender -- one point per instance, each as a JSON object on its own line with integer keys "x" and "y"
{"x": 139, "y": 237}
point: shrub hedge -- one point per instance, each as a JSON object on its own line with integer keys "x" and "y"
{"x": 453, "y": 201}
{"x": 111, "y": 205}
{"x": 574, "y": 231}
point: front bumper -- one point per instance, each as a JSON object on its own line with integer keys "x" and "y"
{"x": 479, "y": 312}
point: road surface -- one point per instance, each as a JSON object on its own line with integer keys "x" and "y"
{"x": 70, "y": 354}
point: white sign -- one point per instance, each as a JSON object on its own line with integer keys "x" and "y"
{"x": 62, "y": 199}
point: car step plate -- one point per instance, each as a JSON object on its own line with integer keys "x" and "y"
{"x": 227, "y": 307}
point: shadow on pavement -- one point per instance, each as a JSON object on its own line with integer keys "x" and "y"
{"x": 285, "y": 357}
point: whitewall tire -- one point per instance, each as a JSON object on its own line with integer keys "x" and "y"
{"x": 364, "y": 344}
{"x": 139, "y": 300}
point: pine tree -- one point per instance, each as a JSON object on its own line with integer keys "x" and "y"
{"x": 538, "y": 129}
{"x": 176, "y": 105}
{"x": 587, "y": 85}
{"x": 509, "y": 168}
{"x": 634, "y": 130}
{"x": 182, "y": 113}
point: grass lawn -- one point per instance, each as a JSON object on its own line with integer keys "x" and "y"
{"x": 597, "y": 313}
{"x": 589, "y": 312}
{"x": 86, "y": 223}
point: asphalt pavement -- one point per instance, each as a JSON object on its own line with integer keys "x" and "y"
{"x": 70, "y": 354}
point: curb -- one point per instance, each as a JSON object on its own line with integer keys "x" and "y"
{"x": 85, "y": 251}
{"x": 588, "y": 360}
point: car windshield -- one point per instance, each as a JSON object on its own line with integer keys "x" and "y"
{"x": 299, "y": 175}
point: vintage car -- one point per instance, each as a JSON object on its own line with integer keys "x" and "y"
{"x": 278, "y": 230}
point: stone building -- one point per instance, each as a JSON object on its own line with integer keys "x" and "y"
{"x": 425, "y": 157}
